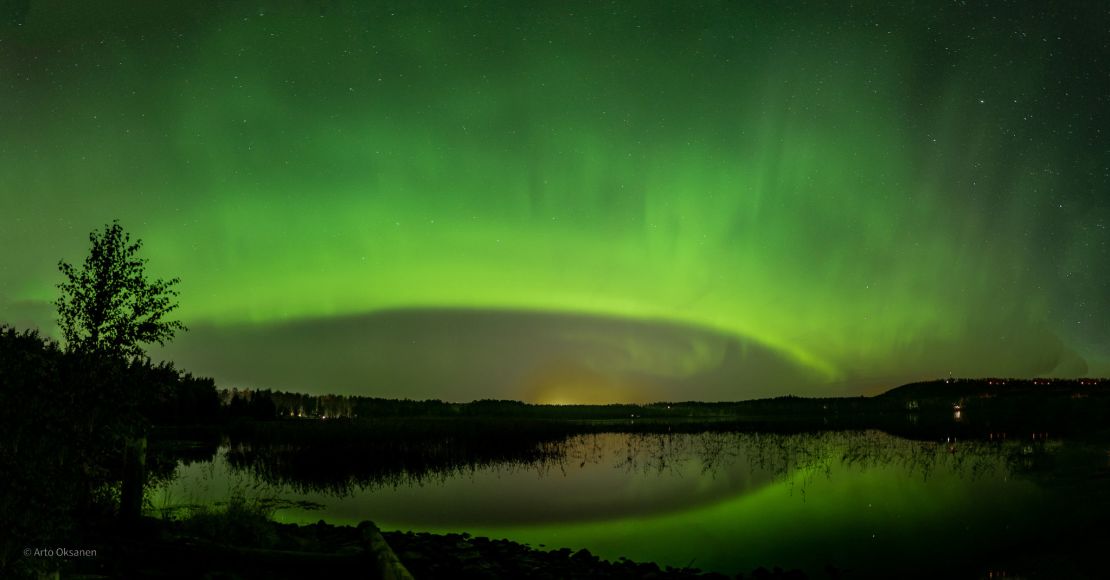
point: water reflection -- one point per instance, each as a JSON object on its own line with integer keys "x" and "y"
{"x": 862, "y": 500}
{"x": 584, "y": 477}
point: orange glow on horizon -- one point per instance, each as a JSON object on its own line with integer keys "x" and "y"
{"x": 572, "y": 384}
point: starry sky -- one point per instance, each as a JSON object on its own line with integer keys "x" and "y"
{"x": 575, "y": 201}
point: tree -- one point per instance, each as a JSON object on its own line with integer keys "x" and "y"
{"x": 108, "y": 309}
{"x": 108, "y": 306}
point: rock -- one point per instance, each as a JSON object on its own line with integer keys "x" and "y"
{"x": 469, "y": 555}
{"x": 584, "y": 555}
{"x": 350, "y": 549}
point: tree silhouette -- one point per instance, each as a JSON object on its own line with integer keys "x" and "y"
{"x": 108, "y": 306}
{"x": 108, "y": 309}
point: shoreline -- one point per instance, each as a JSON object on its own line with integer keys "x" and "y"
{"x": 168, "y": 549}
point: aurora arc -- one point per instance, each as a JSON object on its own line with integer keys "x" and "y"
{"x": 858, "y": 192}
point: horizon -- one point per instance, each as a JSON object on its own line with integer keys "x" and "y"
{"x": 226, "y": 393}
{"x": 574, "y": 204}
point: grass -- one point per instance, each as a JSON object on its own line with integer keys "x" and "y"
{"x": 239, "y": 521}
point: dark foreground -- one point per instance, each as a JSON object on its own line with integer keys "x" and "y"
{"x": 160, "y": 549}
{"x": 459, "y": 555}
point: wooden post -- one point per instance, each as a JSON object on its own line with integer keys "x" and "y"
{"x": 389, "y": 566}
{"x": 134, "y": 476}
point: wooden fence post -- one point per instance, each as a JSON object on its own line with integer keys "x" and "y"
{"x": 134, "y": 476}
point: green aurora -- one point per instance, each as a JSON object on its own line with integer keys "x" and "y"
{"x": 877, "y": 194}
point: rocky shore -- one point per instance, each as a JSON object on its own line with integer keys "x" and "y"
{"x": 462, "y": 556}
{"x": 172, "y": 549}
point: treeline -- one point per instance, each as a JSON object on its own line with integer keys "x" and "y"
{"x": 1065, "y": 398}
{"x": 270, "y": 404}
{"x": 64, "y": 416}
{"x": 953, "y": 389}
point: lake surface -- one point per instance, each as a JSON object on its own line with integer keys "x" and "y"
{"x": 864, "y": 502}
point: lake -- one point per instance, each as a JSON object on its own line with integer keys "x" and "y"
{"x": 860, "y": 503}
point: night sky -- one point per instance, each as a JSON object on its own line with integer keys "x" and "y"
{"x": 575, "y": 201}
